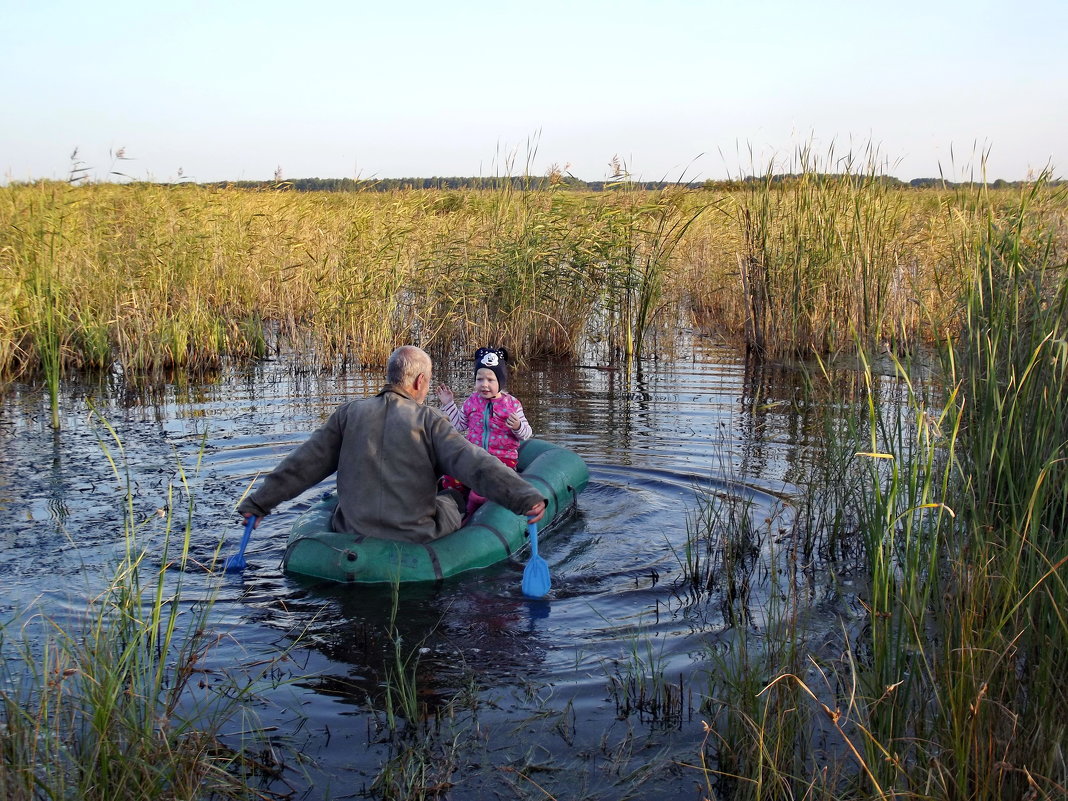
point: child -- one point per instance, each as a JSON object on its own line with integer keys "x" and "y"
{"x": 492, "y": 418}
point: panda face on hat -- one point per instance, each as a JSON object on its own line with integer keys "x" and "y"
{"x": 495, "y": 359}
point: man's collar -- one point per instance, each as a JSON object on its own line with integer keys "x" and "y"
{"x": 397, "y": 390}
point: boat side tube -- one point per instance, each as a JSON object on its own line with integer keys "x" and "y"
{"x": 491, "y": 535}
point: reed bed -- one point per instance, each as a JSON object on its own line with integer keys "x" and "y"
{"x": 148, "y": 276}
{"x": 946, "y": 528}
{"x": 142, "y": 277}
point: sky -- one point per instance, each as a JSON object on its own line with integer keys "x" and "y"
{"x": 695, "y": 90}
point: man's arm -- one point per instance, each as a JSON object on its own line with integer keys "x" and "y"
{"x": 312, "y": 461}
{"x": 482, "y": 471}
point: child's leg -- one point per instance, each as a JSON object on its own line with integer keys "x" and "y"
{"x": 474, "y": 500}
{"x": 448, "y": 482}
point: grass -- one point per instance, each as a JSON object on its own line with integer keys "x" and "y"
{"x": 946, "y": 682}
{"x": 1008, "y": 643}
{"x": 639, "y": 685}
{"x": 116, "y": 705}
{"x": 425, "y": 745}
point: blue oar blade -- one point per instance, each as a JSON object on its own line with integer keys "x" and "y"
{"x": 237, "y": 563}
{"x": 536, "y": 581}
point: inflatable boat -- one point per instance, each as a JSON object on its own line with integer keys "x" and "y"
{"x": 491, "y": 535}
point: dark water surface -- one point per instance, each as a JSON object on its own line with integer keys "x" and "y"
{"x": 519, "y": 695}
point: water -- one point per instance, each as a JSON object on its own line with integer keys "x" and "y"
{"x": 519, "y": 695}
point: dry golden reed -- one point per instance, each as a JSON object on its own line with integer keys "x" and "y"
{"x": 150, "y": 276}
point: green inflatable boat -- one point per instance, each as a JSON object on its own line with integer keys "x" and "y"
{"x": 492, "y": 534}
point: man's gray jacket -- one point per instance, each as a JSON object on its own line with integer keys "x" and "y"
{"x": 388, "y": 452}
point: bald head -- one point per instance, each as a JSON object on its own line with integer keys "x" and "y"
{"x": 406, "y": 365}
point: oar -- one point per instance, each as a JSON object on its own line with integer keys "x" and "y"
{"x": 236, "y": 563}
{"x": 536, "y": 582}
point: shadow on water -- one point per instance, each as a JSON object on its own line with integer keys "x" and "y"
{"x": 597, "y": 690}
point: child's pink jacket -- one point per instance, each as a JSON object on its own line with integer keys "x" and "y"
{"x": 496, "y": 437}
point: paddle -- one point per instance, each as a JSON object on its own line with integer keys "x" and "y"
{"x": 236, "y": 563}
{"x": 536, "y": 582}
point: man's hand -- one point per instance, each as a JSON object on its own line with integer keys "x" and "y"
{"x": 536, "y": 512}
{"x": 247, "y": 515}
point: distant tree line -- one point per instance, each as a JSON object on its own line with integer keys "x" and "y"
{"x": 533, "y": 183}
{"x": 570, "y": 183}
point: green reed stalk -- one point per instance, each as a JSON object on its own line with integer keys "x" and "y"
{"x": 906, "y": 529}
{"x": 663, "y": 224}
{"x": 424, "y": 747}
{"x": 1008, "y": 646}
{"x": 41, "y": 314}
{"x": 402, "y": 680}
{"x": 640, "y": 686}
{"x": 46, "y": 331}
{"x": 762, "y": 734}
{"x": 946, "y": 682}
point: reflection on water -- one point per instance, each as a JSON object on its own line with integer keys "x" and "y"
{"x": 555, "y": 683}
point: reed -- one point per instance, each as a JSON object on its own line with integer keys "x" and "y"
{"x": 757, "y": 743}
{"x": 401, "y": 677}
{"x": 109, "y": 707}
{"x": 424, "y": 745}
{"x": 945, "y": 682}
{"x": 640, "y": 685}
{"x": 824, "y": 257}
{"x": 147, "y": 276}
{"x": 34, "y": 319}
{"x": 1002, "y": 720}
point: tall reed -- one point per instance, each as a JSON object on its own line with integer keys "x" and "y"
{"x": 1007, "y": 648}
{"x": 145, "y": 276}
{"x": 822, "y": 261}
{"x": 34, "y": 320}
{"x": 946, "y": 679}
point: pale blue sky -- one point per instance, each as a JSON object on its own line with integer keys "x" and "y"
{"x": 320, "y": 88}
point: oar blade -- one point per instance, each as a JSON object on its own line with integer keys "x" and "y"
{"x": 536, "y": 581}
{"x": 237, "y": 563}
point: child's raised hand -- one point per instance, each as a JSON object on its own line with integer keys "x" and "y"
{"x": 445, "y": 395}
{"x": 513, "y": 421}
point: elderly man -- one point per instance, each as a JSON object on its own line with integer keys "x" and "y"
{"x": 388, "y": 452}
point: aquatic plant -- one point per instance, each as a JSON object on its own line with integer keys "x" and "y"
{"x": 1004, "y": 651}
{"x": 401, "y": 676}
{"x": 944, "y": 679}
{"x": 146, "y": 276}
{"x": 424, "y": 745}
{"x": 116, "y": 704}
{"x": 639, "y": 685}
